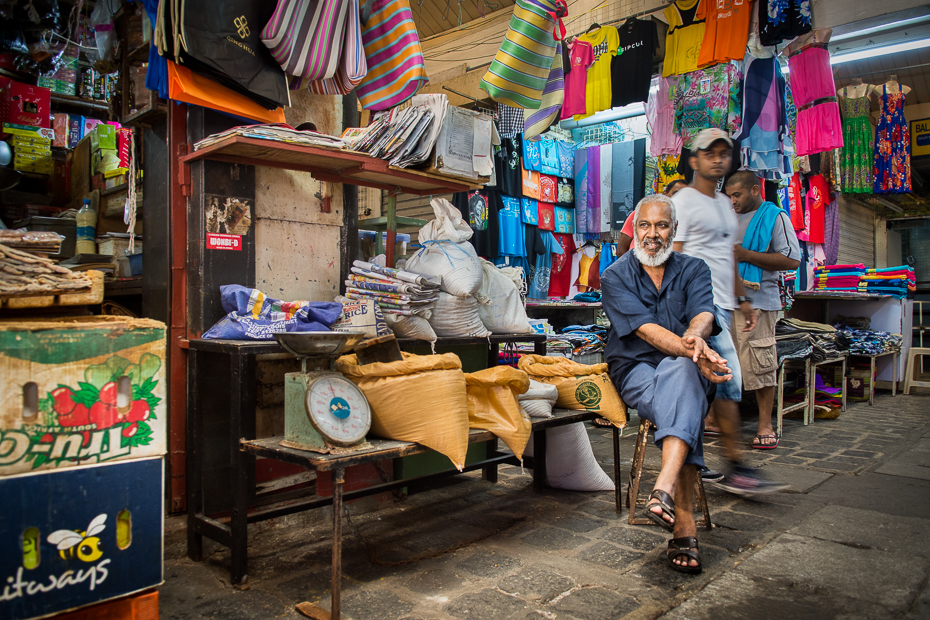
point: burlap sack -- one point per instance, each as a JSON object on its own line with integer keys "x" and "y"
{"x": 581, "y": 387}
{"x": 421, "y": 399}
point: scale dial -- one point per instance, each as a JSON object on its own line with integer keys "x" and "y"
{"x": 338, "y": 410}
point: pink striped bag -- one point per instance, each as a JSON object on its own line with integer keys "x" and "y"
{"x": 306, "y": 37}
{"x": 353, "y": 66}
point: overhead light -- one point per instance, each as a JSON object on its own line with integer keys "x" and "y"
{"x": 907, "y": 46}
{"x": 903, "y": 23}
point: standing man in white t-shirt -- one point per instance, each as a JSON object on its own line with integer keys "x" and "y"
{"x": 707, "y": 228}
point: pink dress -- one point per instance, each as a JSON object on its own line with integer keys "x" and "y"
{"x": 819, "y": 126}
{"x": 660, "y": 114}
{"x": 576, "y": 81}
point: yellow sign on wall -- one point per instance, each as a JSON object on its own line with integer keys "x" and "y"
{"x": 920, "y": 137}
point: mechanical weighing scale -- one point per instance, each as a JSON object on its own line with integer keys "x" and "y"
{"x": 323, "y": 411}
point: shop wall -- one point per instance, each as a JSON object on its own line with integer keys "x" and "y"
{"x": 857, "y": 233}
{"x": 297, "y": 245}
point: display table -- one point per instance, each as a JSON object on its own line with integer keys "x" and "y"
{"x": 887, "y": 314}
{"x": 221, "y": 403}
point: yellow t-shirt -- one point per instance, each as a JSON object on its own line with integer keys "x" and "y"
{"x": 604, "y": 42}
{"x": 684, "y": 38}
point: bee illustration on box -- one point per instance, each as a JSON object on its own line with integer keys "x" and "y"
{"x": 85, "y": 546}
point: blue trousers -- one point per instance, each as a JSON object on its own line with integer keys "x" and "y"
{"x": 674, "y": 397}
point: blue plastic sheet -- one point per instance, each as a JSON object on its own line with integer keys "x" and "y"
{"x": 253, "y": 316}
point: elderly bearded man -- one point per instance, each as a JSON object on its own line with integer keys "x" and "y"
{"x": 661, "y": 309}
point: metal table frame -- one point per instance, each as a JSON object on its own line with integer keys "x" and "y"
{"x": 242, "y": 364}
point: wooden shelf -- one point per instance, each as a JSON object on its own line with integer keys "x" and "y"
{"x": 78, "y": 103}
{"x": 328, "y": 164}
{"x": 145, "y": 115}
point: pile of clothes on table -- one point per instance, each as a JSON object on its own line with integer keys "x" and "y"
{"x": 792, "y": 336}
{"x": 900, "y": 282}
{"x": 838, "y": 278}
{"x": 578, "y": 340}
{"x": 866, "y": 341}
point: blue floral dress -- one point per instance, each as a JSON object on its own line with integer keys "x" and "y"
{"x": 892, "y": 169}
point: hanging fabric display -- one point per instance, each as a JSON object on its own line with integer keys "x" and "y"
{"x": 532, "y": 157}
{"x": 627, "y": 181}
{"x": 819, "y": 128}
{"x": 530, "y": 211}
{"x": 396, "y": 70}
{"x": 856, "y": 156}
{"x": 305, "y": 37}
{"x": 564, "y": 220}
{"x": 581, "y": 57}
{"x": 530, "y": 180}
{"x": 188, "y": 87}
{"x": 598, "y": 96}
{"x": 353, "y": 66}
{"x": 549, "y": 157}
{"x": 666, "y": 172}
{"x": 581, "y": 192}
{"x": 765, "y": 142}
{"x": 553, "y": 95}
{"x": 684, "y": 38}
{"x": 892, "y": 168}
{"x": 565, "y": 192}
{"x": 546, "y": 216}
{"x": 631, "y": 68}
{"x": 519, "y": 72}
{"x": 783, "y": 20}
{"x": 566, "y": 159}
{"x": 511, "y": 120}
{"x": 594, "y": 190}
{"x": 660, "y": 115}
{"x": 547, "y": 188}
{"x": 707, "y": 98}
{"x": 726, "y": 31}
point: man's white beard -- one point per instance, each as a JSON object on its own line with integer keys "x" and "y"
{"x": 656, "y": 260}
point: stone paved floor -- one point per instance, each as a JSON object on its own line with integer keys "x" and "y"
{"x": 840, "y": 544}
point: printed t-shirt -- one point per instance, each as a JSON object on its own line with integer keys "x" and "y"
{"x": 547, "y": 188}
{"x": 480, "y": 209}
{"x": 549, "y": 157}
{"x": 566, "y": 159}
{"x": 790, "y": 198}
{"x": 560, "y": 278}
{"x": 530, "y": 182}
{"x": 784, "y": 241}
{"x": 604, "y": 42}
{"x": 631, "y": 68}
{"x": 539, "y": 284}
{"x": 726, "y": 31}
{"x": 684, "y": 38}
{"x": 565, "y": 192}
{"x": 530, "y": 211}
{"x": 628, "y": 229}
{"x": 546, "y": 216}
{"x": 509, "y": 178}
{"x": 531, "y": 155}
{"x": 707, "y": 227}
{"x": 582, "y": 55}
{"x": 708, "y": 98}
{"x": 817, "y": 199}
{"x": 511, "y": 240}
{"x": 564, "y": 220}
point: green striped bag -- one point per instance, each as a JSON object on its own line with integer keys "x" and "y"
{"x": 519, "y": 72}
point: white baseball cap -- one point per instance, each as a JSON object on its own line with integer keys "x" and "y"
{"x": 708, "y": 136}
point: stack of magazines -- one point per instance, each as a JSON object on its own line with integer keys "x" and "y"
{"x": 404, "y": 135}
{"x": 396, "y": 291}
{"x": 279, "y": 132}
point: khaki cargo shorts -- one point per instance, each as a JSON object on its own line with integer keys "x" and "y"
{"x": 756, "y": 350}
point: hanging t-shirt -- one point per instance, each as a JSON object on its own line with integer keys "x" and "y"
{"x": 511, "y": 238}
{"x": 530, "y": 211}
{"x": 708, "y": 98}
{"x": 726, "y": 31}
{"x": 684, "y": 38}
{"x": 566, "y": 159}
{"x": 781, "y": 20}
{"x": 631, "y": 68}
{"x": 530, "y": 183}
{"x": 560, "y": 278}
{"x": 790, "y": 198}
{"x": 660, "y": 115}
{"x": 547, "y": 189}
{"x": 576, "y": 82}
{"x": 565, "y": 192}
{"x": 604, "y": 42}
{"x": 549, "y": 157}
{"x": 589, "y": 269}
{"x": 539, "y": 284}
{"x": 531, "y": 155}
{"x": 817, "y": 199}
{"x": 564, "y": 220}
{"x": 480, "y": 209}
{"x": 546, "y": 216}
{"x": 628, "y": 229}
{"x": 509, "y": 178}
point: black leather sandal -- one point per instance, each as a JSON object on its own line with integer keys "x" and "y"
{"x": 667, "y": 504}
{"x": 685, "y": 546}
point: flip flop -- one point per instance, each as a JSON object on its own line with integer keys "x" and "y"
{"x": 602, "y": 422}
{"x": 762, "y": 446}
{"x": 667, "y": 504}
{"x": 685, "y": 546}
{"x": 708, "y": 433}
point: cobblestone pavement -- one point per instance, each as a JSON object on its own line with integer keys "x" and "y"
{"x": 840, "y": 544}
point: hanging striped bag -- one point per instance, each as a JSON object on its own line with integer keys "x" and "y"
{"x": 306, "y": 37}
{"x": 396, "y": 70}
{"x": 519, "y": 72}
{"x": 553, "y": 95}
{"x": 353, "y": 67}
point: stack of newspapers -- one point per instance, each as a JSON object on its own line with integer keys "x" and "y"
{"x": 279, "y": 132}
{"x": 404, "y": 135}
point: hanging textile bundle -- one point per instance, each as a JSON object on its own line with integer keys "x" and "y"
{"x": 518, "y": 75}
{"x": 353, "y": 67}
{"x": 306, "y": 36}
{"x": 538, "y": 121}
{"x": 396, "y": 70}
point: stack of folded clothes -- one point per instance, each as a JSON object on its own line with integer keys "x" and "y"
{"x": 579, "y": 339}
{"x": 897, "y": 282}
{"x": 797, "y": 346}
{"x": 822, "y": 336}
{"x": 838, "y": 277}
{"x": 866, "y": 341}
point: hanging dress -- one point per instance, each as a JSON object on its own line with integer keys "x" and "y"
{"x": 892, "y": 168}
{"x": 819, "y": 127}
{"x": 856, "y": 156}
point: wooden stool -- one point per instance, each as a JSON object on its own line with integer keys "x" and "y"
{"x": 909, "y": 373}
{"x": 636, "y": 474}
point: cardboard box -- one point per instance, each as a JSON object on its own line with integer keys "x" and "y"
{"x": 80, "y": 537}
{"x": 75, "y": 130}
{"x": 60, "y": 127}
{"x": 89, "y": 124}
{"x": 30, "y": 132}
{"x": 139, "y": 607}
{"x": 858, "y": 385}
{"x": 26, "y": 105}
{"x": 123, "y": 145}
{"x": 103, "y": 137}
{"x": 80, "y": 391}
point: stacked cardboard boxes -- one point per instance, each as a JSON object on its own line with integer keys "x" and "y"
{"x": 32, "y": 148}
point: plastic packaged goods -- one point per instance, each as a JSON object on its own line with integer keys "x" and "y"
{"x": 581, "y": 387}
{"x": 421, "y": 398}
{"x": 493, "y": 406}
